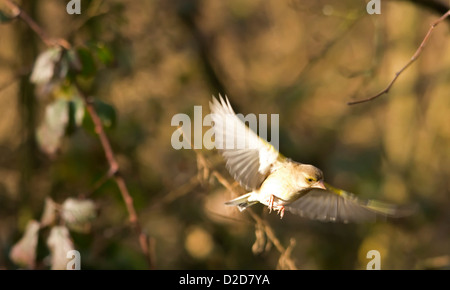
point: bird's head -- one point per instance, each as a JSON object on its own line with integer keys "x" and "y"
{"x": 310, "y": 177}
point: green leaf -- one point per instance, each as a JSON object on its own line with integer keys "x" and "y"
{"x": 107, "y": 115}
{"x": 5, "y": 18}
{"x": 104, "y": 54}
{"x": 88, "y": 67}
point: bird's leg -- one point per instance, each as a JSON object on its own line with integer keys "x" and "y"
{"x": 270, "y": 203}
{"x": 281, "y": 212}
{"x": 280, "y": 209}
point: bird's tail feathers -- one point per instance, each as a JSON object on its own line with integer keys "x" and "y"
{"x": 242, "y": 201}
{"x": 379, "y": 207}
{"x": 389, "y": 209}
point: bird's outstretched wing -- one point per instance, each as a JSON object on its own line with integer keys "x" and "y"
{"x": 337, "y": 205}
{"x": 250, "y": 161}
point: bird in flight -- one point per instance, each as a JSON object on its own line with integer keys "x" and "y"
{"x": 280, "y": 183}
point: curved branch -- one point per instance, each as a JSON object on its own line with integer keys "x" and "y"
{"x": 285, "y": 253}
{"x": 413, "y": 58}
{"x": 437, "y": 6}
{"x": 114, "y": 171}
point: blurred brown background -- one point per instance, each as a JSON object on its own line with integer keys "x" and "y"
{"x": 303, "y": 60}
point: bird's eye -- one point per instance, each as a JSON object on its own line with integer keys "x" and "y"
{"x": 310, "y": 179}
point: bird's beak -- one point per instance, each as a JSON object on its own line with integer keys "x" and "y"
{"x": 319, "y": 184}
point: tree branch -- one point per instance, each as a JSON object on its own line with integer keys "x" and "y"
{"x": 284, "y": 252}
{"x": 18, "y": 12}
{"x": 120, "y": 181}
{"x": 439, "y": 7}
{"x": 114, "y": 171}
{"x": 413, "y": 58}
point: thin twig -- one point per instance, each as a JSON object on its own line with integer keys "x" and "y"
{"x": 413, "y": 58}
{"x": 120, "y": 181}
{"x": 273, "y": 238}
{"x": 18, "y": 12}
{"x": 285, "y": 261}
{"x": 93, "y": 10}
{"x": 15, "y": 77}
{"x": 9, "y": 82}
{"x": 267, "y": 229}
{"x": 102, "y": 180}
{"x": 177, "y": 192}
{"x": 285, "y": 252}
{"x": 106, "y": 145}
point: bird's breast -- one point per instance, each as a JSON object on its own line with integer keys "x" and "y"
{"x": 280, "y": 187}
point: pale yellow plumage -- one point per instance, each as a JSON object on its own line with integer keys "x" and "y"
{"x": 280, "y": 183}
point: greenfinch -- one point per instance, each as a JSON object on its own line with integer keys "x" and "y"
{"x": 280, "y": 183}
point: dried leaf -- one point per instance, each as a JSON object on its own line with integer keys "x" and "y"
{"x": 57, "y": 115}
{"x": 44, "y": 67}
{"x": 24, "y": 251}
{"x": 49, "y": 215}
{"x": 78, "y": 214}
{"x": 48, "y": 141}
{"x": 260, "y": 243}
{"x": 60, "y": 243}
{"x": 52, "y": 129}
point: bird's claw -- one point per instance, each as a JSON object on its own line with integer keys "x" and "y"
{"x": 270, "y": 203}
{"x": 278, "y": 208}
